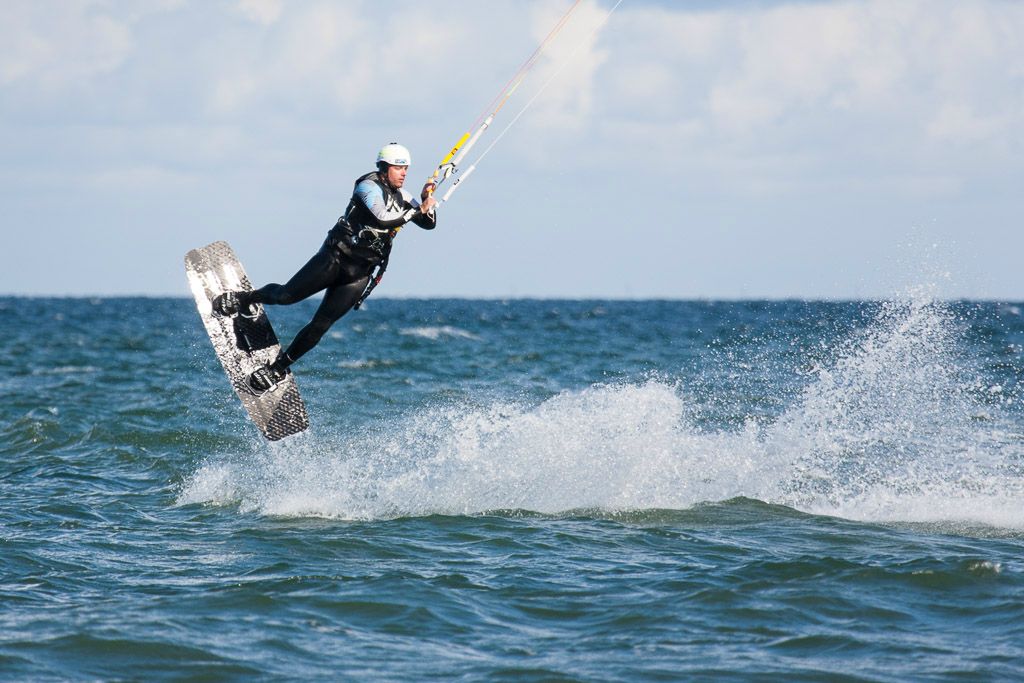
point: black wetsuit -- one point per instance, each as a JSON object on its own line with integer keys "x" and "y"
{"x": 358, "y": 243}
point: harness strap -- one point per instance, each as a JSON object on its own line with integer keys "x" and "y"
{"x": 375, "y": 278}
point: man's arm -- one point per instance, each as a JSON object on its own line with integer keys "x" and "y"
{"x": 426, "y": 216}
{"x": 370, "y": 194}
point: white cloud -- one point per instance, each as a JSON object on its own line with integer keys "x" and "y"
{"x": 569, "y": 65}
{"x": 292, "y": 62}
{"x": 333, "y": 60}
{"x": 872, "y": 56}
{"x": 264, "y": 12}
{"x": 958, "y": 123}
{"x": 53, "y": 50}
{"x": 861, "y": 90}
{"x": 870, "y": 84}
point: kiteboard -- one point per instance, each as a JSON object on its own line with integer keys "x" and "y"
{"x": 244, "y": 342}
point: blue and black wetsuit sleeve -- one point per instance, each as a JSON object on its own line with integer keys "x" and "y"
{"x": 427, "y": 221}
{"x": 371, "y": 195}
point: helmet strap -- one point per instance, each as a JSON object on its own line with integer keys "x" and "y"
{"x": 382, "y": 173}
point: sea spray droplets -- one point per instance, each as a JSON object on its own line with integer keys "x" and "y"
{"x": 893, "y": 385}
{"x": 888, "y": 429}
{"x": 610, "y": 447}
{"x": 604, "y": 447}
{"x": 578, "y": 449}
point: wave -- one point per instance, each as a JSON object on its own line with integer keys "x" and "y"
{"x": 435, "y": 333}
{"x": 895, "y": 428}
{"x": 367, "y": 363}
{"x": 66, "y": 370}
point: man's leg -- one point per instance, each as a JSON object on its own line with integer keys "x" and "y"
{"x": 318, "y": 273}
{"x": 338, "y": 301}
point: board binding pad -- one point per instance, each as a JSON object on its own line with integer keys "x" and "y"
{"x": 244, "y": 343}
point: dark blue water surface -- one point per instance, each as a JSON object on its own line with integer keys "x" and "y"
{"x": 521, "y": 490}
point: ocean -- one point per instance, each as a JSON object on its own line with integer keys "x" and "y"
{"x": 523, "y": 490}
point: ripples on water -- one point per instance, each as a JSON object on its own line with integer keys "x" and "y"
{"x": 519, "y": 491}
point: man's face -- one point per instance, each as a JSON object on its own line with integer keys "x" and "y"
{"x": 396, "y": 176}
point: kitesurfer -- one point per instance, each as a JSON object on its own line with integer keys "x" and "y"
{"x": 358, "y": 244}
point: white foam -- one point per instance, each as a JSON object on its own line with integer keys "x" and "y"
{"x": 434, "y": 333}
{"x": 366, "y": 363}
{"x": 891, "y": 430}
{"x": 66, "y": 370}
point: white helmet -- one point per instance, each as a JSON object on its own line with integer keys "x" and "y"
{"x": 393, "y": 154}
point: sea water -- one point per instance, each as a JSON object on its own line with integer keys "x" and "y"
{"x": 519, "y": 490}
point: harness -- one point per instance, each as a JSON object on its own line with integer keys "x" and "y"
{"x": 356, "y": 235}
{"x": 375, "y": 278}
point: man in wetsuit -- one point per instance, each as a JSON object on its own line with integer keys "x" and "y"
{"x": 359, "y": 243}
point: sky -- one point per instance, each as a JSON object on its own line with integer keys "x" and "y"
{"x": 711, "y": 150}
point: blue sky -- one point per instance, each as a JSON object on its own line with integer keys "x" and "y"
{"x": 708, "y": 150}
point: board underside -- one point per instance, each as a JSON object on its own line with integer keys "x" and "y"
{"x": 243, "y": 343}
